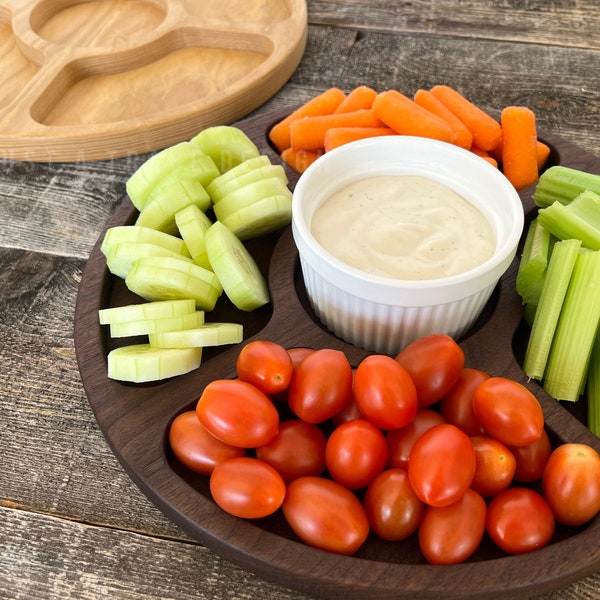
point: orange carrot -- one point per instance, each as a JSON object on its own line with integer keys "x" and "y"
{"x": 519, "y": 146}
{"x": 309, "y": 133}
{"x": 338, "y": 136}
{"x": 486, "y": 131}
{"x": 357, "y": 99}
{"x": 299, "y": 160}
{"x": 543, "y": 152}
{"x": 323, "y": 104}
{"x": 463, "y": 136}
{"x": 485, "y": 155}
{"x": 408, "y": 118}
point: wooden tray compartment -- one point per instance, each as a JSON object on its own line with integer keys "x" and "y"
{"x": 135, "y": 420}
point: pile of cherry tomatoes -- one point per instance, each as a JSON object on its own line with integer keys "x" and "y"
{"x": 413, "y": 444}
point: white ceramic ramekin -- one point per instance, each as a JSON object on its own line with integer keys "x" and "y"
{"x": 384, "y": 314}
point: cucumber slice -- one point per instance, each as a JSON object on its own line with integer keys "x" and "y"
{"x": 210, "y": 334}
{"x": 249, "y": 194}
{"x": 228, "y": 146}
{"x": 183, "y": 160}
{"x": 192, "y": 224}
{"x": 166, "y": 278}
{"x": 163, "y": 204}
{"x": 139, "y": 363}
{"x": 123, "y": 256}
{"x": 136, "y": 233}
{"x": 147, "y": 326}
{"x": 220, "y": 190}
{"x": 259, "y": 218}
{"x": 162, "y": 309}
{"x": 244, "y": 167}
{"x": 237, "y": 271}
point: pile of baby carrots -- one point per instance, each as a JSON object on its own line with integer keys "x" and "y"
{"x": 334, "y": 118}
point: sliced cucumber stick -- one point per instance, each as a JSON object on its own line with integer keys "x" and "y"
{"x": 123, "y": 256}
{"x": 247, "y": 166}
{"x": 237, "y": 271}
{"x": 219, "y": 190}
{"x": 192, "y": 224}
{"x": 228, "y": 146}
{"x": 210, "y": 334}
{"x": 139, "y": 363}
{"x": 138, "y": 234}
{"x": 148, "y": 310}
{"x": 150, "y": 326}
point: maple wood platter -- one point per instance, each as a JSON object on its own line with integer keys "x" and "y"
{"x": 135, "y": 420}
{"x": 93, "y": 80}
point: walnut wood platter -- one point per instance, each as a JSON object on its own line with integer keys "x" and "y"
{"x": 91, "y": 80}
{"x": 135, "y": 420}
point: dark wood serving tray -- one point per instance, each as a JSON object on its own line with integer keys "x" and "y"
{"x": 135, "y": 420}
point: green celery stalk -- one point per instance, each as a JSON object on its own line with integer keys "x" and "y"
{"x": 564, "y": 223}
{"x": 533, "y": 263}
{"x": 562, "y": 184}
{"x": 587, "y": 206}
{"x": 554, "y": 290}
{"x": 569, "y": 358}
{"x": 593, "y": 389}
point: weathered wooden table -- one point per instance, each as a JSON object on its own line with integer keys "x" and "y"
{"x": 72, "y": 524}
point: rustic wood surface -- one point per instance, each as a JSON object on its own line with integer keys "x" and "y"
{"x": 73, "y": 523}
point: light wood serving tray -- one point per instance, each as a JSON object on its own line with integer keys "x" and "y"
{"x": 99, "y": 79}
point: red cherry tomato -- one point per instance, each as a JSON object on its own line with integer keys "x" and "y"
{"x": 265, "y": 364}
{"x": 571, "y": 483}
{"x": 247, "y": 487}
{"x": 519, "y": 520}
{"x": 237, "y": 413}
{"x": 400, "y": 441}
{"x": 441, "y": 465}
{"x": 508, "y": 411}
{"x": 326, "y": 515}
{"x": 434, "y": 362}
{"x": 392, "y": 506}
{"x": 298, "y": 354}
{"x": 451, "y": 534}
{"x": 457, "y": 405}
{"x": 384, "y": 392}
{"x": 531, "y": 459}
{"x": 356, "y": 453}
{"x": 495, "y": 466}
{"x": 297, "y": 450}
{"x": 321, "y": 385}
{"x": 195, "y": 447}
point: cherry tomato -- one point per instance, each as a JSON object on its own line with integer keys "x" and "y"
{"x": 321, "y": 385}
{"x": 531, "y": 459}
{"x": 384, "y": 392}
{"x": 326, "y": 515}
{"x": 434, "y": 362}
{"x": 451, "y": 534}
{"x": 247, "y": 487}
{"x": 495, "y": 466}
{"x": 519, "y": 520}
{"x": 457, "y": 405}
{"x": 571, "y": 483}
{"x": 297, "y": 450}
{"x": 265, "y": 364}
{"x": 298, "y": 354}
{"x": 400, "y": 441}
{"x": 237, "y": 413}
{"x": 508, "y": 411}
{"x": 356, "y": 453}
{"x": 195, "y": 447}
{"x": 441, "y": 465}
{"x": 393, "y": 509}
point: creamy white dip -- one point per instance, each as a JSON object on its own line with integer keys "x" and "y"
{"x": 404, "y": 227}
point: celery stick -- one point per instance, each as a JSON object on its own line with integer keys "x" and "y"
{"x": 593, "y": 389}
{"x": 587, "y": 206}
{"x": 566, "y": 370}
{"x": 549, "y": 308}
{"x": 562, "y": 184}
{"x": 533, "y": 264}
{"x": 565, "y": 224}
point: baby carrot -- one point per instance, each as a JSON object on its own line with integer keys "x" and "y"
{"x": 485, "y": 155}
{"x": 323, "y": 104}
{"x": 519, "y": 146}
{"x": 299, "y": 160}
{"x": 408, "y": 118}
{"x": 357, "y": 99}
{"x": 463, "y": 136}
{"x": 543, "y": 152}
{"x": 486, "y": 131}
{"x": 338, "y": 136}
{"x": 309, "y": 133}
